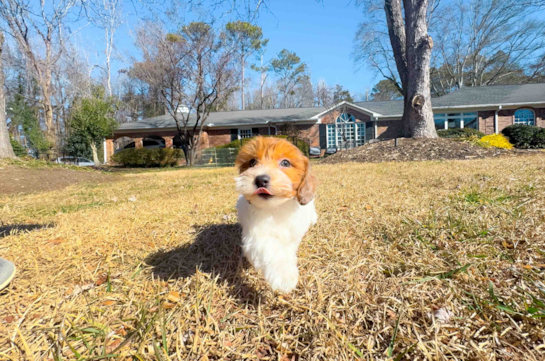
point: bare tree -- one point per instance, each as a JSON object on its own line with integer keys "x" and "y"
{"x": 45, "y": 22}
{"x": 194, "y": 72}
{"x": 484, "y": 42}
{"x": 108, "y": 16}
{"x": 6, "y": 150}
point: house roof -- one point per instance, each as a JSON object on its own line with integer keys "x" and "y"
{"x": 384, "y": 108}
{"x": 463, "y": 98}
{"x": 232, "y": 118}
{"x": 493, "y": 95}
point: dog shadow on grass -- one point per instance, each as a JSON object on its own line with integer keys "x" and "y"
{"x": 216, "y": 251}
{"x": 12, "y": 229}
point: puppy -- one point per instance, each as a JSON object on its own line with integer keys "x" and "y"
{"x": 275, "y": 208}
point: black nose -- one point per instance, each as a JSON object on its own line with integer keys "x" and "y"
{"x": 262, "y": 181}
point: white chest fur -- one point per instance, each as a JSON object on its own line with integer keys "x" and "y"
{"x": 271, "y": 236}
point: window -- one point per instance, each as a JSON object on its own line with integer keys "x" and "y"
{"x": 345, "y": 133}
{"x": 245, "y": 133}
{"x": 524, "y": 116}
{"x": 456, "y": 120}
{"x": 331, "y": 135}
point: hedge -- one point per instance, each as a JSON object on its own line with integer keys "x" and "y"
{"x": 525, "y": 136}
{"x": 459, "y": 133}
{"x": 237, "y": 144}
{"x": 142, "y": 157}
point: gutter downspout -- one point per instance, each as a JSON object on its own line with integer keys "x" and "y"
{"x": 376, "y": 128}
{"x": 496, "y": 119}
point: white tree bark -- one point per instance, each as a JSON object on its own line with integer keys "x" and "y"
{"x": 6, "y": 150}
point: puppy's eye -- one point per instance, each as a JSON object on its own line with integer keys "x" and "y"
{"x": 253, "y": 162}
{"x": 285, "y": 163}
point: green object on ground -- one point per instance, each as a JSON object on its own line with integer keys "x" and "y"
{"x": 7, "y": 272}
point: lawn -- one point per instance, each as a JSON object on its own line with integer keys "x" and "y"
{"x": 408, "y": 261}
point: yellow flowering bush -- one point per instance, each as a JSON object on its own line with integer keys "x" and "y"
{"x": 495, "y": 140}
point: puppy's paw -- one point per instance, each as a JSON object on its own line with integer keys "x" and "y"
{"x": 283, "y": 279}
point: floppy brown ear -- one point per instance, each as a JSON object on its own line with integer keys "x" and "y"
{"x": 307, "y": 188}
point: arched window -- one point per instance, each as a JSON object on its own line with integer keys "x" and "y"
{"x": 345, "y": 133}
{"x": 525, "y": 116}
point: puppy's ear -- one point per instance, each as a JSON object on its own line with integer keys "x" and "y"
{"x": 307, "y": 188}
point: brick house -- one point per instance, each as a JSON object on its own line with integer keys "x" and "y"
{"x": 346, "y": 125}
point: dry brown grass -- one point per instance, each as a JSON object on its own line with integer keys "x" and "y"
{"x": 397, "y": 245}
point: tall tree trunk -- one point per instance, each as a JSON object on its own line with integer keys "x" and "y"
{"x": 95, "y": 153}
{"x": 419, "y": 120}
{"x": 411, "y": 46}
{"x": 6, "y": 150}
{"x": 242, "y": 80}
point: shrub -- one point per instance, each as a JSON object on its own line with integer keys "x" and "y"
{"x": 495, "y": 140}
{"x": 142, "y": 157}
{"x": 525, "y": 136}
{"x": 459, "y": 133}
{"x": 303, "y": 146}
{"x": 18, "y": 149}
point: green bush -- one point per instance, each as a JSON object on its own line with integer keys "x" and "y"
{"x": 142, "y": 157}
{"x": 459, "y": 133}
{"x": 525, "y": 136}
{"x": 18, "y": 149}
{"x": 303, "y": 146}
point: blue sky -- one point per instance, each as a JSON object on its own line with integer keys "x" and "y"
{"x": 321, "y": 33}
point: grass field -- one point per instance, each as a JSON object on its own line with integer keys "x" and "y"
{"x": 408, "y": 261}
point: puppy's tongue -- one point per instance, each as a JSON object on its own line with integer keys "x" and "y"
{"x": 263, "y": 191}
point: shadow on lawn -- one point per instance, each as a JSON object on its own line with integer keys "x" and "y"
{"x": 16, "y": 228}
{"x": 216, "y": 250}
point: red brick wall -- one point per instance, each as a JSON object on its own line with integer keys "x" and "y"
{"x": 218, "y": 137}
{"x": 506, "y": 117}
{"x": 486, "y": 121}
{"x": 389, "y": 129}
{"x": 310, "y": 133}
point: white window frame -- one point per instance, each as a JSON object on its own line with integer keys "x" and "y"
{"x": 524, "y": 121}
{"x": 240, "y": 130}
{"x": 455, "y": 116}
{"x": 353, "y": 128}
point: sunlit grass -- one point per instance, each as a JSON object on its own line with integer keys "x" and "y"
{"x": 149, "y": 268}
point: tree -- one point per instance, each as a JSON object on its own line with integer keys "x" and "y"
{"x": 385, "y": 90}
{"x": 26, "y": 22}
{"x": 290, "y": 71}
{"x": 194, "y": 72}
{"x": 485, "y": 42}
{"x": 340, "y": 94}
{"x": 411, "y": 47}
{"x": 24, "y": 116}
{"x": 6, "y": 150}
{"x": 247, "y": 39}
{"x": 92, "y": 121}
{"x": 108, "y": 16}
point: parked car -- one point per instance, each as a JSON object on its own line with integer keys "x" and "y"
{"x": 331, "y": 151}
{"x": 80, "y": 161}
{"x": 147, "y": 143}
{"x": 314, "y": 151}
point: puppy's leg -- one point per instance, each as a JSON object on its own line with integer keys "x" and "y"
{"x": 277, "y": 262}
{"x": 282, "y": 274}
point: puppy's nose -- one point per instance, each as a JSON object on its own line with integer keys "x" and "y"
{"x": 262, "y": 181}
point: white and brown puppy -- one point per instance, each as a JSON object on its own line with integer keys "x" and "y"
{"x": 276, "y": 207}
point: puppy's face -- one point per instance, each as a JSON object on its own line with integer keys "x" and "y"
{"x": 272, "y": 171}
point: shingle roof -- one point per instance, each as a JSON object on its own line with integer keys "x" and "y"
{"x": 239, "y": 117}
{"x": 493, "y": 95}
{"x": 384, "y": 108}
{"x": 468, "y": 97}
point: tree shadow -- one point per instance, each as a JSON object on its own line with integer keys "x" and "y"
{"x": 216, "y": 250}
{"x": 8, "y": 230}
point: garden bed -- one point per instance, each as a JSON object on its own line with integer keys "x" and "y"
{"x": 418, "y": 150}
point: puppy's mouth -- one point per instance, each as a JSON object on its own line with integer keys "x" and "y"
{"x": 263, "y": 193}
